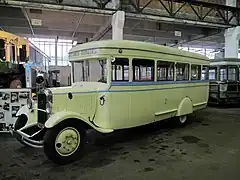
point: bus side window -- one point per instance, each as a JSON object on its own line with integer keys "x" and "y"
{"x": 143, "y": 70}
{"x": 232, "y": 73}
{"x": 213, "y": 73}
{"x": 120, "y": 69}
{"x": 165, "y": 71}
{"x": 182, "y": 71}
{"x": 223, "y": 73}
{"x": 205, "y": 73}
{"x": 195, "y": 72}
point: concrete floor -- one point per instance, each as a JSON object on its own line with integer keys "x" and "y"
{"x": 207, "y": 148}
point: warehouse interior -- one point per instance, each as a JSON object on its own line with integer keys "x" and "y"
{"x": 206, "y": 148}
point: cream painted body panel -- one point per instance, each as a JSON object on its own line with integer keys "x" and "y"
{"x": 124, "y": 106}
{"x": 85, "y": 105}
{"x": 139, "y": 105}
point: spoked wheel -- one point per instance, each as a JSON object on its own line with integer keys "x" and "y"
{"x": 64, "y": 143}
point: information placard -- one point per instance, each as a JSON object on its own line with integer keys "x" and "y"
{"x": 11, "y": 100}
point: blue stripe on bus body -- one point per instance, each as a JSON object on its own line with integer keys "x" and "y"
{"x": 142, "y": 83}
{"x": 155, "y": 89}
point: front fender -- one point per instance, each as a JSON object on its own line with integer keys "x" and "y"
{"x": 23, "y": 110}
{"x": 31, "y": 114}
{"x": 63, "y": 115}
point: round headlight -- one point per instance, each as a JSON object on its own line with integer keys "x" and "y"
{"x": 40, "y": 79}
{"x": 49, "y": 108}
{"x": 29, "y": 103}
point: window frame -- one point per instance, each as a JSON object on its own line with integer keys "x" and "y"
{"x": 166, "y": 78}
{"x": 111, "y": 69}
{"x": 152, "y": 71}
{"x": 207, "y": 73}
{"x": 73, "y": 68}
{"x": 199, "y": 73}
{"x": 236, "y": 72}
{"x": 188, "y": 68}
{"x": 224, "y": 73}
{"x": 216, "y": 73}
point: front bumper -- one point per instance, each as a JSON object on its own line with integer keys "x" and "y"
{"x": 28, "y": 140}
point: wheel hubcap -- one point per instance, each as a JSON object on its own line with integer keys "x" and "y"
{"x": 67, "y": 141}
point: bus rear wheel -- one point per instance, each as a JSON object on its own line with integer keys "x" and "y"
{"x": 64, "y": 143}
{"x": 181, "y": 121}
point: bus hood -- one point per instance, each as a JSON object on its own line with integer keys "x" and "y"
{"x": 81, "y": 87}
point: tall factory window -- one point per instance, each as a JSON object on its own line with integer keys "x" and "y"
{"x": 63, "y": 47}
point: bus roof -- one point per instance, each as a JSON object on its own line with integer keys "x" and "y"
{"x": 136, "y": 45}
{"x": 226, "y": 60}
{"x": 12, "y": 38}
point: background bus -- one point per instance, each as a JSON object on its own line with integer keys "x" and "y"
{"x": 20, "y": 61}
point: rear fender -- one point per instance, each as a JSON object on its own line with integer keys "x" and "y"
{"x": 185, "y": 107}
{"x": 64, "y": 115}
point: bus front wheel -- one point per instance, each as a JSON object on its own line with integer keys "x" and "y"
{"x": 64, "y": 143}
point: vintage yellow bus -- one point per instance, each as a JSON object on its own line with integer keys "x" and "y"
{"x": 115, "y": 85}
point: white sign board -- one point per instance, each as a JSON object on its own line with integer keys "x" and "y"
{"x": 36, "y": 22}
{"x": 11, "y": 100}
{"x": 178, "y": 33}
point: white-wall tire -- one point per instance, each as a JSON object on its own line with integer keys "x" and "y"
{"x": 182, "y": 119}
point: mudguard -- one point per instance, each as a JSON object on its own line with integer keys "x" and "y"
{"x": 23, "y": 110}
{"x": 31, "y": 114}
{"x": 63, "y": 115}
{"x": 185, "y": 107}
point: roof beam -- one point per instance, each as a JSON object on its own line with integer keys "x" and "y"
{"x": 57, "y": 7}
{"x": 44, "y": 31}
{"x": 79, "y": 22}
{"x": 198, "y": 37}
{"x": 28, "y": 19}
{"x": 141, "y": 15}
{"x": 176, "y": 21}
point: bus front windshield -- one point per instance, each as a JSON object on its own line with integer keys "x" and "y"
{"x": 90, "y": 70}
